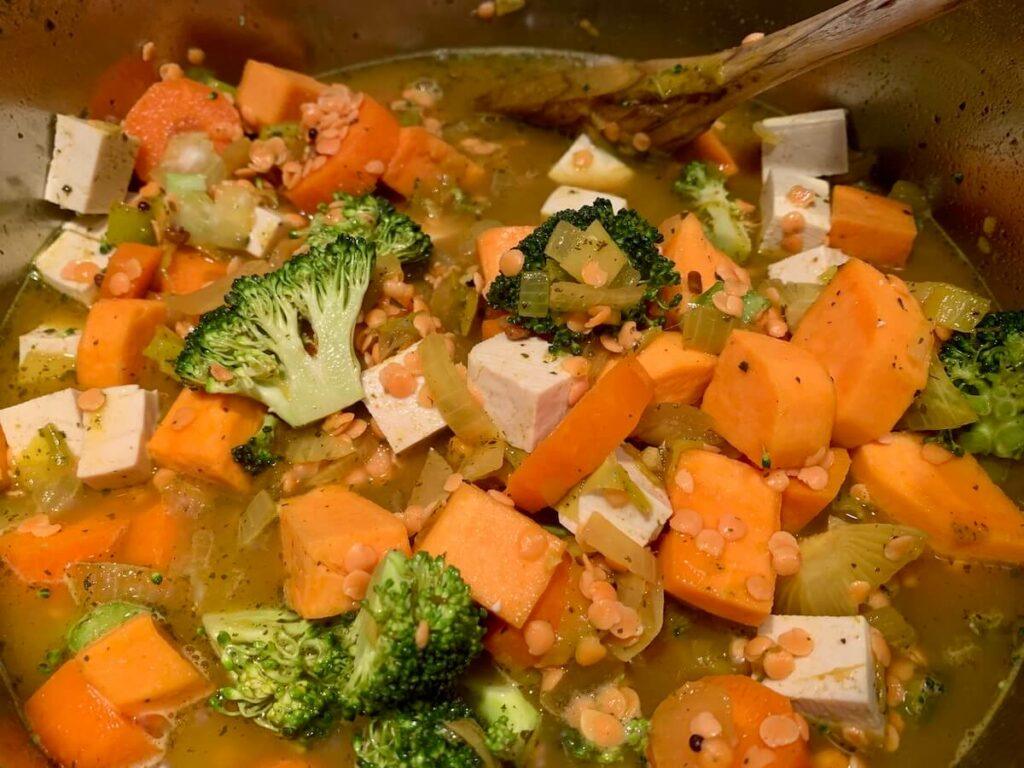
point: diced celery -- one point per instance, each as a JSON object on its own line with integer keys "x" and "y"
{"x": 576, "y": 297}
{"x": 667, "y": 422}
{"x": 950, "y": 306}
{"x": 128, "y": 224}
{"x": 483, "y": 460}
{"x": 894, "y": 628}
{"x": 574, "y": 248}
{"x": 459, "y": 409}
{"x": 164, "y": 349}
{"x": 396, "y": 334}
{"x": 533, "y": 294}
{"x": 220, "y": 222}
{"x": 940, "y": 405}
{"x": 181, "y": 184}
{"x": 455, "y": 303}
{"x": 46, "y": 469}
{"x": 754, "y": 304}
{"x": 796, "y": 299}
{"x": 705, "y": 329}
{"x": 206, "y": 77}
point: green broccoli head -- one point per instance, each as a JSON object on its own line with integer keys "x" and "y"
{"x": 257, "y": 453}
{"x": 581, "y": 749}
{"x": 395, "y": 235}
{"x": 987, "y": 365}
{"x": 285, "y": 338}
{"x": 99, "y": 621}
{"x": 393, "y": 659}
{"x": 417, "y": 736}
{"x": 284, "y": 670}
{"x": 703, "y": 191}
{"x": 634, "y": 235}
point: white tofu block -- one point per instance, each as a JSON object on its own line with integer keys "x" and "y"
{"x": 575, "y": 197}
{"x": 64, "y": 265}
{"x": 114, "y": 447}
{"x": 524, "y": 389}
{"x": 586, "y": 165}
{"x": 813, "y": 143}
{"x": 90, "y": 226}
{"x": 836, "y": 682}
{"x": 48, "y": 340}
{"x": 807, "y": 267}
{"x": 21, "y": 423}
{"x": 403, "y": 421}
{"x": 640, "y": 526}
{"x": 268, "y": 227}
{"x": 91, "y": 165}
{"x": 777, "y": 203}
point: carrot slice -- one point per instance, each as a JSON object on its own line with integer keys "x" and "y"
{"x": 879, "y": 230}
{"x": 116, "y": 332}
{"x": 178, "y": 106}
{"x": 138, "y": 264}
{"x": 422, "y": 161}
{"x": 801, "y": 503}
{"x": 43, "y": 559}
{"x": 492, "y": 243}
{"x": 602, "y": 419}
{"x": 77, "y": 727}
{"x": 360, "y": 161}
{"x": 120, "y": 85}
{"x": 189, "y": 270}
{"x": 269, "y": 94}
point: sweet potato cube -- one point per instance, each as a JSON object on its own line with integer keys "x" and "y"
{"x": 486, "y": 541}
{"x": 697, "y": 261}
{"x": 801, "y": 503}
{"x": 680, "y": 375}
{"x": 492, "y": 243}
{"x": 116, "y": 331}
{"x": 43, "y": 559}
{"x": 188, "y": 270}
{"x": 317, "y": 531}
{"x": 422, "y": 160}
{"x": 879, "y": 230}
{"x": 269, "y": 94}
{"x": 153, "y": 536}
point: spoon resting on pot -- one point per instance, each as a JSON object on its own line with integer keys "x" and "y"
{"x": 666, "y": 103}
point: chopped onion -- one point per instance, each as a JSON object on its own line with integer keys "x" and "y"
{"x": 471, "y": 733}
{"x": 600, "y": 534}
{"x": 483, "y": 460}
{"x": 199, "y": 565}
{"x": 192, "y": 153}
{"x": 950, "y": 306}
{"x": 576, "y": 297}
{"x": 95, "y": 583}
{"x": 647, "y": 598}
{"x": 940, "y": 405}
{"x": 533, "y": 294}
{"x": 796, "y": 299}
{"x": 46, "y": 469}
{"x": 260, "y": 513}
{"x": 317, "y": 446}
{"x": 223, "y": 221}
{"x": 459, "y": 409}
{"x": 894, "y": 628}
{"x": 429, "y": 488}
{"x": 455, "y": 303}
{"x": 666, "y": 422}
{"x": 706, "y": 329}
{"x": 396, "y": 334}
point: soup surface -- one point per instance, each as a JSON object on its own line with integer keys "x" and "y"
{"x": 936, "y": 672}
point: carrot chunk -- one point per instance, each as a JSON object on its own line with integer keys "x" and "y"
{"x": 737, "y": 584}
{"x": 360, "y": 161}
{"x": 77, "y": 727}
{"x": 801, "y": 503}
{"x": 197, "y": 435}
{"x": 591, "y": 430}
{"x": 964, "y": 513}
{"x": 153, "y": 537}
{"x": 130, "y": 271}
{"x": 879, "y": 230}
{"x": 120, "y": 85}
{"x": 178, "y": 106}
{"x": 189, "y": 270}
{"x": 116, "y": 332}
{"x": 492, "y": 243}
{"x": 422, "y": 160}
{"x": 317, "y": 531}
{"x": 770, "y": 399}
{"x": 696, "y": 260}
{"x": 505, "y": 557}
{"x": 680, "y": 375}
{"x": 43, "y": 559}
{"x": 874, "y": 340}
{"x": 269, "y": 94}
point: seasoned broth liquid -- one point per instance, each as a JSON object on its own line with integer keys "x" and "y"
{"x": 937, "y": 597}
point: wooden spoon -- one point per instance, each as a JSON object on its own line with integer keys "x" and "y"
{"x": 665, "y": 103}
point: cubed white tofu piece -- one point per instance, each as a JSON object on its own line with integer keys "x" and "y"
{"x": 49, "y": 340}
{"x": 114, "y": 447}
{"x": 524, "y": 388}
{"x": 70, "y": 264}
{"x": 22, "y": 422}
{"x": 90, "y": 226}
{"x": 786, "y": 193}
{"x": 564, "y": 198}
{"x": 91, "y": 165}
{"x": 807, "y": 267}
{"x": 639, "y": 525}
{"x": 589, "y": 166}
{"x": 836, "y": 682}
{"x": 403, "y": 420}
{"x": 268, "y": 227}
{"x": 813, "y": 143}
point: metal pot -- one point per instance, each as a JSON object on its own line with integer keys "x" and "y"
{"x": 943, "y": 105}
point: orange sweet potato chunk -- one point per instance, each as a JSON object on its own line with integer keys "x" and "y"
{"x": 43, "y": 559}
{"x": 492, "y": 243}
{"x": 801, "y": 503}
{"x": 486, "y": 540}
{"x": 697, "y": 261}
{"x": 680, "y": 375}
{"x": 269, "y": 94}
{"x": 153, "y": 537}
{"x": 422, "y": 161}
{"x": 770, "y": 399}
{"x": 188, "y": 270}
{"x": 116, "y": 331}
{"x": 879, "y": 230}
{"x": 317, "y": 531}
{"x": 721, "y": 585}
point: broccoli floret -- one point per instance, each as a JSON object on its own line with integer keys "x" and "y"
{"x": 285, "y": 338}
{"x": 922, "y": 693}
{"x": 637, "y": 238}
{"x": 987, "y": 365}
{"x": 416, "y": 737}
{"x": 503, "y": 711}
{"x": 99, "y": 621}
{"x": 394, "y": 660}
{"x": 580, "y": 748}
{"x": 376, "y": 220}
{"x": 257, "y": 453}
{"x": 284, "y": 670}
{"x": 703, "y": 190}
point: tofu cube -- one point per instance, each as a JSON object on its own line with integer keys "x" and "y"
{"x": 91, "y": 165}
{"x": 114, "y": 447}
{"x": 49, "y": 341}
{"x": 22, "y": 422}
{"x": 90, "y": 226}
{"x": 70, "y": 265}
{"x": 787, "y": 193}
{"x": 403, "y": 420}
{"x": 836, "y": 682}
{"x": 564, "y": 198}
{"x": 812, "y": 143}
{"x": 807, "y": 267}
{"x": 524, "y": 389}
{"x": 268, "y": 227}
{"x": 640, "y": 526}
{"x": 589, "y": 166}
